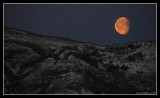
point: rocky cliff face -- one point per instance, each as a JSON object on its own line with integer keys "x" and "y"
{"x": 36, "y": 64}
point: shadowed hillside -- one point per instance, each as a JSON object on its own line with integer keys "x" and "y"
{"x": 36, "y": 64}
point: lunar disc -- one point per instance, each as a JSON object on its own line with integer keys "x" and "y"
{"x": 122, "y": 25}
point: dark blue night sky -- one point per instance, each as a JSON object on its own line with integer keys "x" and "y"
{"x": 92, "y": 23}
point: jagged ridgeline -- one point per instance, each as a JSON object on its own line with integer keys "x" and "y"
{"x": 36, "y": 64}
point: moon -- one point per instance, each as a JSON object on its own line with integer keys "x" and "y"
{"x": 122, "y": 25}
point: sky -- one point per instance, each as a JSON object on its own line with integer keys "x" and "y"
{"x": 93, "y": 23}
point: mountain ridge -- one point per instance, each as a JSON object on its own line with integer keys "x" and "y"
{"x": 6, "y": 27}
{"x": 51, "y": 37}
{"x": 43, "y": 65}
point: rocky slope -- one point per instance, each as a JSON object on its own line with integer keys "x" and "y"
{"x": 36, "y": 64}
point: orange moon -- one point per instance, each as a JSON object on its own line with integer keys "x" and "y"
{"x": 122, "y": 25}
